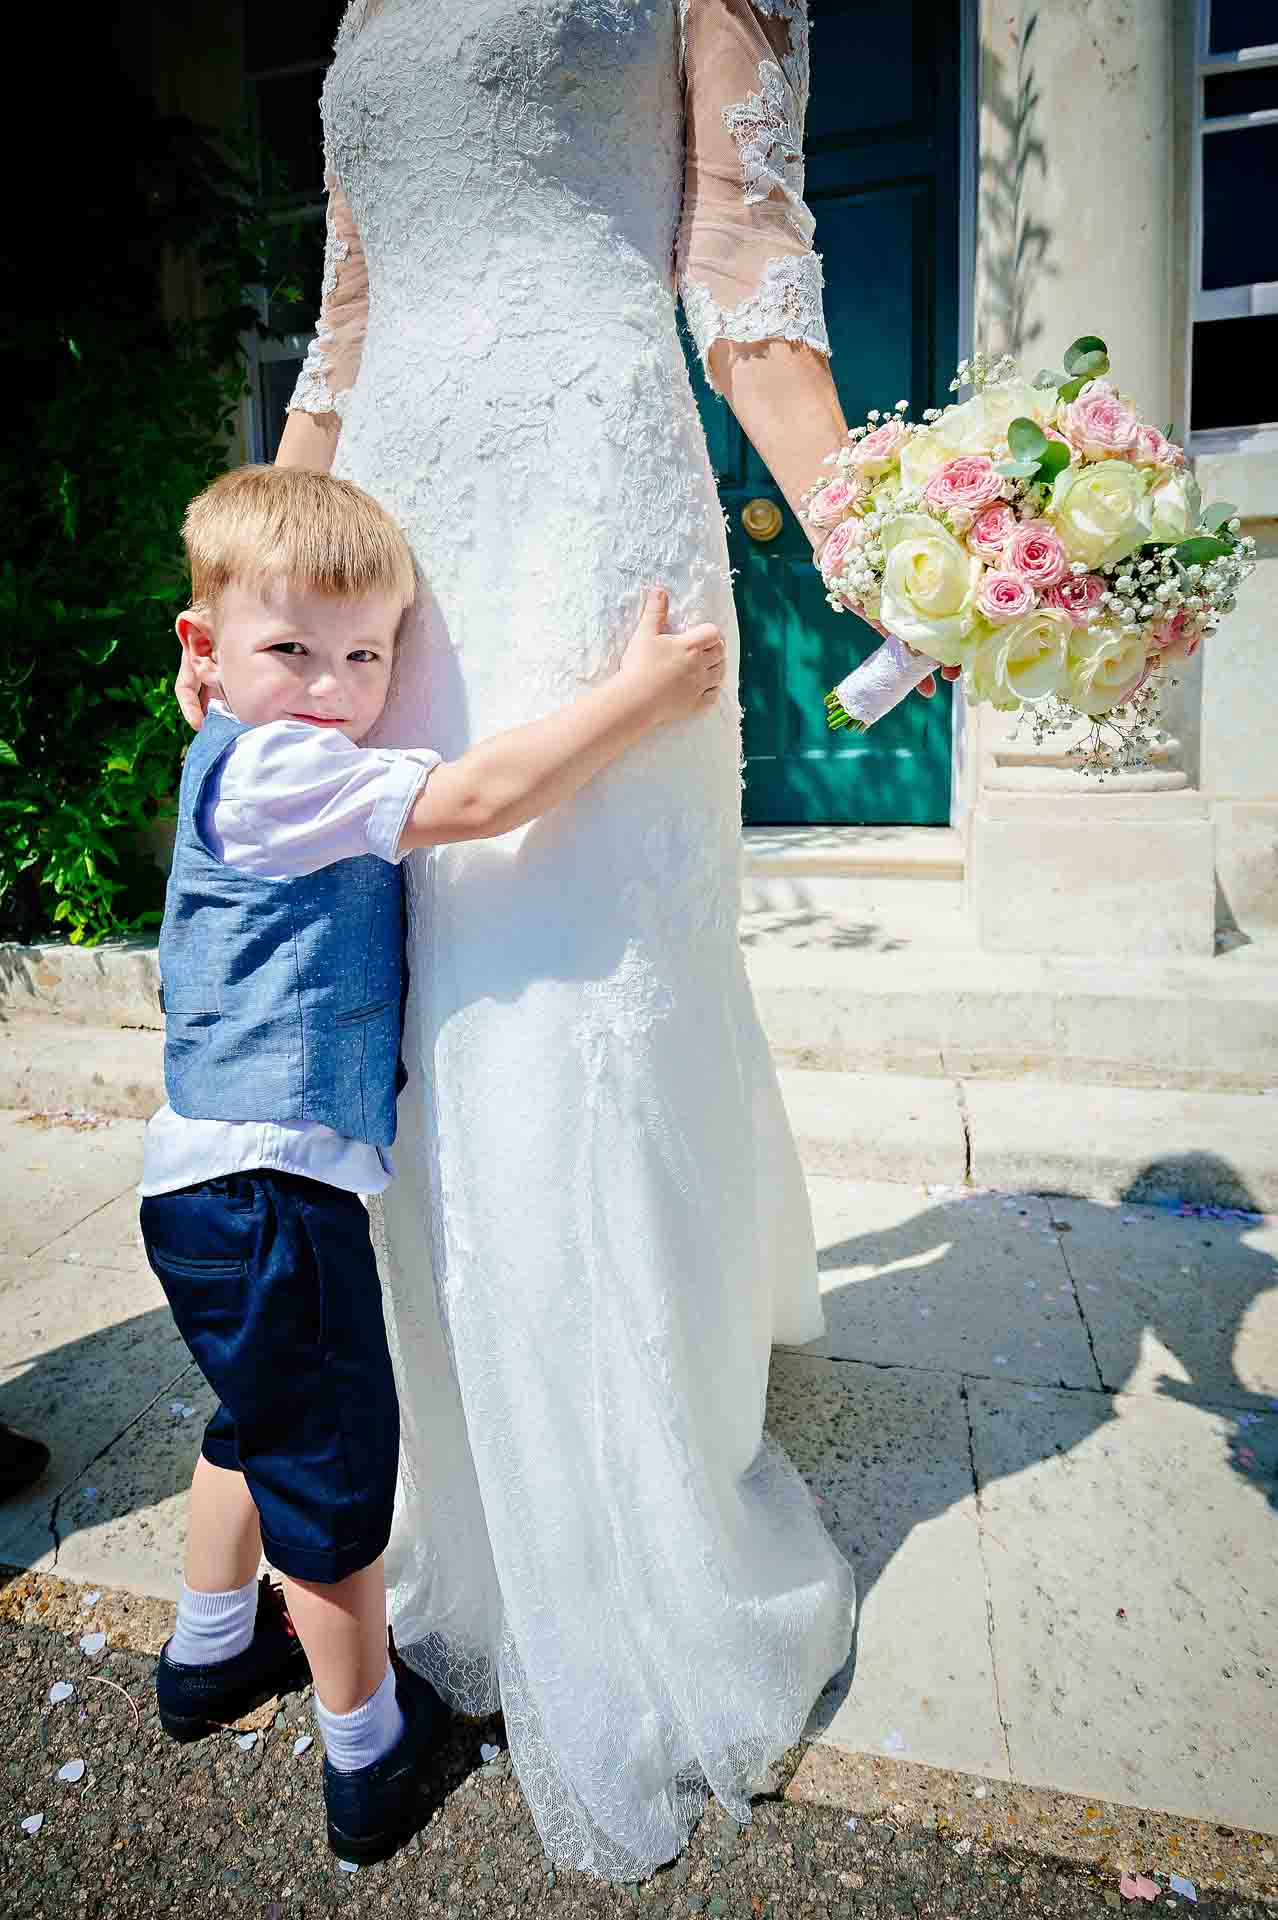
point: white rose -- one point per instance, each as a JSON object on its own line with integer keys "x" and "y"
{"x": 925, "y": 454}
{"x": 980, "y": 424}
{"x": 1099, "y": 511}
{"x": 1103, "y": 668}
{"x": 979, "y": 682}
{"x": 928, "y": 586}
{"x": 1026, "y": 659}
{"x": 1173, "y": 507}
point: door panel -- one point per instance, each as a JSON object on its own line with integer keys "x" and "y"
{"x": 883, "y": 185}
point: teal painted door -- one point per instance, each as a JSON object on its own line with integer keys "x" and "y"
{"x": 883, "y": 185}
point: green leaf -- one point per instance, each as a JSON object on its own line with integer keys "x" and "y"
{"x": 1087, "y": 356}
{"x": 1016, "y": 469}
{"x": 1026, "y": 440}
{"x": 8, "y": 758}
{"x": 1055, "y": 459}
{"x": 99, "y": 654}
{"x": 118, "y": 763}
{"x": 1201, "y": 548}
{"x": 1218, "y": 514}
{"x": 1072, "y": 388}
{"x": 1046, "y": 379}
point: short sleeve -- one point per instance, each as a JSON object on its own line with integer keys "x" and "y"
{"x": 332, "y": 359}
{"x": 746, "y": 266}
{"x": 289, "y": 799}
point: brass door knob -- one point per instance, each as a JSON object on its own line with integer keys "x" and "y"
{"x": 762, "y": 519}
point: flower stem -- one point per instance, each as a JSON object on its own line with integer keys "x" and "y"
{"x": 837, "y": 716}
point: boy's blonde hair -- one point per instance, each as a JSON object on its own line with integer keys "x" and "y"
{"x": 258, "y": 524}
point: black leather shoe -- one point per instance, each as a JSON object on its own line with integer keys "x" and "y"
{"x": 22, "y": 1460}
{"x": 194, "y": 1701}
{"x": 373, "y": 1811}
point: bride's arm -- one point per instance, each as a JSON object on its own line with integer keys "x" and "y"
{"x": 748, "y": 277}
{"x": 332, "y": 361}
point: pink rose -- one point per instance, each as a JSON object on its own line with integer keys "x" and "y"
{"x": 827, "y": 508}
{"x": 1171, "y": 644}
{"x": 1036, "y": 554}
{"x": 1098, "y": 423}
{"x": 1078, "y": 595}
{"x": 1152, "y": 448}
{"x": 964, "y": 485}
{"x": 881, "y": 449}
{"x": 1004, "y": 596}
{"x": 991, "y": 530}
{"x": 847, "y": 536}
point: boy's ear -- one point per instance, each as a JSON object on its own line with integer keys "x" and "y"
{"x": 198, "y": 644}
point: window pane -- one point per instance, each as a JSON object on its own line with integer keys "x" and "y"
{"x": 284, "y": 36}
{"x": 1228, "y": 93}
{"x": 1242, "y": 23}
{"x": 1240, "y": 244}
{"x": 1235, "y": 380}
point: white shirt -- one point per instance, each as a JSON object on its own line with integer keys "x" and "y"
{"x": 286, "y": 799}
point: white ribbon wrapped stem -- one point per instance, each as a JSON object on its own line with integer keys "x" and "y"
{"x": 882, "y": 682}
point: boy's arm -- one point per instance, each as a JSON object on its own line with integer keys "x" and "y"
{"x": 515, "y": 776}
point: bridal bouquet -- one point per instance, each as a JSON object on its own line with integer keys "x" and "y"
{"x": 1042, "y": 537}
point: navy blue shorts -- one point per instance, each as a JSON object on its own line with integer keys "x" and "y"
{"x": 274, "y": 1287}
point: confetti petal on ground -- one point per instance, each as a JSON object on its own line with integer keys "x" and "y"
{"x": 1185, "y": 1888}
{"x": 33, "y": 1823}
{"x": 60, "y": 1690}
{"x": 91, "y": 1643}
{"x": 246, "y": 1742}
{"x": 963, "y": 1846}
{"x": 895, "y": 1742}
{"x": 72, "y": 1772}
{"x": 487, "y": 1753}
{"x": 349, "y": 1866}
{"x": 302, "y": 1744}
{"x": 981, "y": 1792}
{"x": 852, "y": 1824}
{"x": 1000, "y": 1359}
{"x": 1138, "y": 1888}
{"x": 1030, "y": 1394}
{"x": 90, "y": 1493}
{"x": 91, "y": 1599}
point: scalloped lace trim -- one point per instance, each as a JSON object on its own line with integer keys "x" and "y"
{"x": 313, "y": 392}
{"x": 786, "y": 305}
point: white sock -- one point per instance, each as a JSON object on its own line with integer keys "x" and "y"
{"x": 213, "y": 1626}
{"x": 361, "y": 1737}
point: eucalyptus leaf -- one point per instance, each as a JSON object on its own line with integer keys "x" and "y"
{"x": 1201, "y": 548}
{"x": 1085, "y": 354}
{"x": 1045, "y": 380}
{"x": 1055, "y": 459}
{"x": 1026, "y": 439}
{"x": 1218, "y": 514}
{"x": 1072, "y": 388}
{"x": 1016, "y": 469}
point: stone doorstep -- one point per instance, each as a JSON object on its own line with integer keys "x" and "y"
{"x": 971, "y": 1812}
{"x": 1101, "y": 1142}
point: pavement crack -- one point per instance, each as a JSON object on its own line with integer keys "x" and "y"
{"x": 1081, "y": 1311}
{"x": 965, "y": 1121}
{"x": 985, "y": 1574}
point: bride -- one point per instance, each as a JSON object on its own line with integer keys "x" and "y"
{"x": 599, "y": 1225}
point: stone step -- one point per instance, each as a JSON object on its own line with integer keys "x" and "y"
{"x": 1101, "y": 1142}
{"x": 899, "y": 992}
{"x": 851, "y": 870}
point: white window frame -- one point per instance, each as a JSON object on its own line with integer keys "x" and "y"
{"x": 1222, "y": 303}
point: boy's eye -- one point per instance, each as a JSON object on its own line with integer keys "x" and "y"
{"x": 362, "y": 654}
{"x": 288, "y": 646}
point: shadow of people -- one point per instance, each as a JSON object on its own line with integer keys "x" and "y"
{"x": 993, "y": 1297}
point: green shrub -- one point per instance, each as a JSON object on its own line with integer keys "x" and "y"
{"x": 121, "y": 416}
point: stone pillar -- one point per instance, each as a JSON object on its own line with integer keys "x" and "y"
{"x": 1074, "y": 235}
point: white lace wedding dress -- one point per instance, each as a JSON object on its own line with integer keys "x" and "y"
{"x": 599, "y": 1225}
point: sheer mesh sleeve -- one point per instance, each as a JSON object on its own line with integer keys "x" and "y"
{"x": 746, "y": 266}
{"x": 332, "y": 359}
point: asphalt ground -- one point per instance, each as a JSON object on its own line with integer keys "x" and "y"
{"x": 234, "y": 1825}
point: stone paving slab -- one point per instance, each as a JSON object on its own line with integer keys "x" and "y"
{"x": 56, "y": 1176}
{"x": 1134, "y": 1597}
{"x": 887, "y": 1453}
{"x": 974, "y": 1285}
{"x": 1183, "y": 1306}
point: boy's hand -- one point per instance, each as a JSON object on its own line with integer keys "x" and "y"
{"x": 672, "y": 674}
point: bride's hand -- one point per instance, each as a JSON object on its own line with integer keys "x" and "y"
{"x": 191, "y": 695}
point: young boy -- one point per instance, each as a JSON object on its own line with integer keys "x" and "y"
{"x": 282, "y": 960}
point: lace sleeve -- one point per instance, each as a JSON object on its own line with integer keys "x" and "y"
{"x": 746, "y": 266}
{"x": 332, "y": 360}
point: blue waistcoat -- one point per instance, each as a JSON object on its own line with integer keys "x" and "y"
{"x": 283, "y": 999}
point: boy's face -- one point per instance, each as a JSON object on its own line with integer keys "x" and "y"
{"x": 284, "y": 653}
